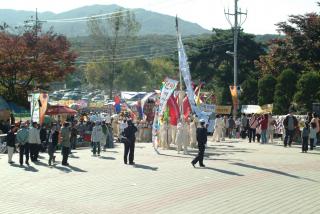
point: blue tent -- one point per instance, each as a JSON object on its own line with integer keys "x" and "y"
{"x": 18, "y": 111}
{"x": 3, "y": 104}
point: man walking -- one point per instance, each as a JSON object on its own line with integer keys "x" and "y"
{"x": 22, "y": 140}
{"x": 129, "y": 145}
{"x": 34, "y": 142}
{"x": 202, "y": 141}
{"x": 290, "y": 123}
{"x": 65, "y": 143}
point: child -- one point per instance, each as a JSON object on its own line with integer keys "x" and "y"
{"x": 313, "y": 135}
{"x": 305, "y": 137}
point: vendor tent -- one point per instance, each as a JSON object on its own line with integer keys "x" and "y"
{"x": 60, "y": 109}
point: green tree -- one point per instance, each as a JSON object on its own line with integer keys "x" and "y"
{"x": 284, "y": 92}
{"x": 308, "y": 89}
{"x": 266, "y": 88}
{"x": 112, "y": 36}
{"x": 133, "y": 75}
{"x": 249, "y": 94}
{"x": 298, "y": 50}
{"x": 210, "y": 63}
{"x": 161, "y": 68}
{"x": 97, "y": 73}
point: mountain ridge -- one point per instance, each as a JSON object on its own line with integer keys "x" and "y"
{"x": 151, "y": 22}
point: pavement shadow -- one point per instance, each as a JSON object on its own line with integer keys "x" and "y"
{"x": 216, "y": 144}
{"x": 76, "y": 169}
{"x": 61, "y": 168}
{"x": 221, "y": 171}
{"x": 106, "y": 158}
{"x": 73, "y": 156}
{"x": 26, "y": 168}
{"x": 39, "y": 163}
{"x": 30, "y": 169}
{"x": 313, "y": 153}
{"x": 140, "y": 166}
{"x": 111, "y": 151}
{"x": 272, "y": 171}
{"x": 68, "y": 169}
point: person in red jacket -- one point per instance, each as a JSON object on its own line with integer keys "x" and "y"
{"x": 264, "y": 126}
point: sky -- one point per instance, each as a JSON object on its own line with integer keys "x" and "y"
{"x": 262, "y": 14}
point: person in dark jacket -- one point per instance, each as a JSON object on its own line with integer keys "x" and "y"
{"x": 65, "y": 143}
{"x": 43, "y": 138}
{"x": 53, "y": 142}
{"x": 202, "y": 141}
{"x": 305, "y": 137}
{"x": 289, "y": 123}
{"x": 129, "y": 144}
{"x": 11, "y": 141}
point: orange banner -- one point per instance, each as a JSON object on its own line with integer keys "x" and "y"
{"x": 43, "y": 106}
{"x": 234, "y": 95}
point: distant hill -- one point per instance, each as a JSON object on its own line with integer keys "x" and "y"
{"x": 151, "y": 22}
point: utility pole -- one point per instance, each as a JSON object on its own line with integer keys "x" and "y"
{"x": 238, "y": 22}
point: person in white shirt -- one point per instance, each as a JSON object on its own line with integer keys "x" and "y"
{"x": 123, "y": 125}
{"x": 96, "y": 137}
{"x": 34, "y": 141}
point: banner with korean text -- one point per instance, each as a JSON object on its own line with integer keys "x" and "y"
{"x": 167, "y": 90}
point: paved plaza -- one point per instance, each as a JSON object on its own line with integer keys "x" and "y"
{"x": 239, "y": 178}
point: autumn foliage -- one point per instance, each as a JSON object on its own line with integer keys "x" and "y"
{"x": 31, "y": 59}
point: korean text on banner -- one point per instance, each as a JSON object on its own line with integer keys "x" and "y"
{"x": 223, "y": 109}
{"x": 166, "y": 92}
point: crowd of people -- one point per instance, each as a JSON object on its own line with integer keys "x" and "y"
{"x": 264, "y": 127}
{"x": 29, "y": 140}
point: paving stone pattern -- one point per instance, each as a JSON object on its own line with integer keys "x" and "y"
{"x": 239, "y": 178}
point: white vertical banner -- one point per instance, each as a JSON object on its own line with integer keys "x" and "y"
{"x": 167, "y": 90}
{"x": 35, "y": 107}
{"x": 185, "y": 71}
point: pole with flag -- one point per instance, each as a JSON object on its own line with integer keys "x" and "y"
{"x": 180, "y": 75}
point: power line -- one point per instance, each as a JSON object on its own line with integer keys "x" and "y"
{"x": 148, "y": 56}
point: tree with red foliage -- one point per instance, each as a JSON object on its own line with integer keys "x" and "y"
{"x": 32, "y": 57}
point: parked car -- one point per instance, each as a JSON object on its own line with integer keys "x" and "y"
{"x": 98, "y": 98}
